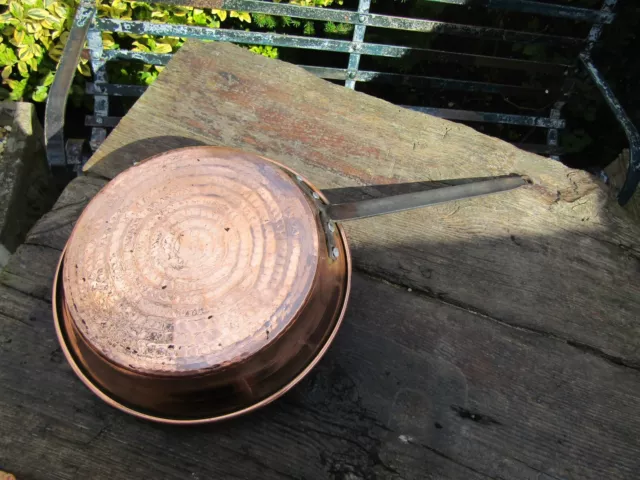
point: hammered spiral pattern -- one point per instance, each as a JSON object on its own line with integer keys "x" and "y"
{"x": 191, "y": 260}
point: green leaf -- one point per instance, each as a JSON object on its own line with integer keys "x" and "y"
{"x": 107, "y": 41}
{"x": 17, "y": 89}
{"x": 180, "y": 11}
{"x": 56, "y": 51}
{"x": 16, "y": 9}
{"x": 28, "y": 40}
{"x": 200, "y": 19}
{"x": 23, "y": 69}
{"x": 25, "y": 53}
{"x": 61, "y": 11}
{"x": 140, "y": 47}
{"x": 48, "y": 79}
{"x": 40, "y": 94}
{"x": 222, "y": 14}
{"x": 6, "y": 72}
{"x": 18, "y": 37}
{"x": 265, "y": 51}
{"x": 38, "y": 13}
{"x": 84, "y": 69}
{"x": 46, "y": 42}
{"x": 7, "y": 56}
{"x": 162, "y": 48}
{"x": 36, "y": 50}
{"x": 242, "y": 16}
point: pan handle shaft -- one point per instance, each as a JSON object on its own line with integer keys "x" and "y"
{"x": 407, "y": 201}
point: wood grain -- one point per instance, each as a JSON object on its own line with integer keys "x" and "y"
{"x": 413, "y": 388}
{"x": 440, "y": 382}
{"x": 559, "y": 256}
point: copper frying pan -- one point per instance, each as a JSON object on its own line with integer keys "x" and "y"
{"x": 205, "y": 282}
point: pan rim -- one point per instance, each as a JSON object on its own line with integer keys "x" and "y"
{"x": 110, "y": 400}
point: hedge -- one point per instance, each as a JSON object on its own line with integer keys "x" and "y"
{"x": 34, "y": 33}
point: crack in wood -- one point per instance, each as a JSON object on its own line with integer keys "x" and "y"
{"x": 15, "y": 319}
{"x": 28, "y": 294}
{"x": 411, "y": 441}
{"x": 42, "y": 245}
{"x": 589, "y": 349}
{"x": 480, "y": 418}
{"x": 57, "y": 208}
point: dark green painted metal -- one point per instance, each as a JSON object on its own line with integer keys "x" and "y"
{"x": 630, "y": 130}
{"x": 357, "y": 46}
{"x": 115, "y": 90}
{"x": 59, "y": 92}
{"x": 294, "y": 41}
{"x": 526, "y": 6}
{"x": 490, "y": 117}
{"x": 101, "y": 122}
{"x": 413, "y": 81}
{"x": 392, "y": 22}
{"x": 144, "y": 57}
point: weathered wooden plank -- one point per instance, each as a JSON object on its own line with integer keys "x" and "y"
{"x": 413, "y": 388}
{"x": 79, "y": 191}
{"x": 20, "y": 307}
{"x": 559, "y": 256}
{"x": 54, "y": 228}
{"x": 27, "y": 189}
{"x": 30, "y": 270}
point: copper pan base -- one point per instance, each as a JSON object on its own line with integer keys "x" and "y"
{"x": 226, "y": 395}
{"x": 94, "y": 385}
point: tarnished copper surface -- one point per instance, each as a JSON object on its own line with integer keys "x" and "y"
{"x": 188, "y": 392}
{"x": 194, "y": 259}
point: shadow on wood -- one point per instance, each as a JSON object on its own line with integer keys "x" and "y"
{"x": 129, "y": 154}
{"x": 418, "y": 384}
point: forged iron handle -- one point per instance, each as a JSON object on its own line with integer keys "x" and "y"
{"x": 57, "y": 100}
{"x": 407, "y": 201}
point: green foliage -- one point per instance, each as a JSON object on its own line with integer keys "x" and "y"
{"x": 265, "y": 51}
{"x": 338, "y": 29}
{"x": 33, "y": 34}
{"x": 309, "y": 28}
{"x": 265, "y": 21}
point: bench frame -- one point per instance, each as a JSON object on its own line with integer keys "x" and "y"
{"x": 88, "y": 28}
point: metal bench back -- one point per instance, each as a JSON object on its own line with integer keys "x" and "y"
{"x": 553, "y": 87}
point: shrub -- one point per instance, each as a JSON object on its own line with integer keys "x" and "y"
{"x": 33, "y": 34}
